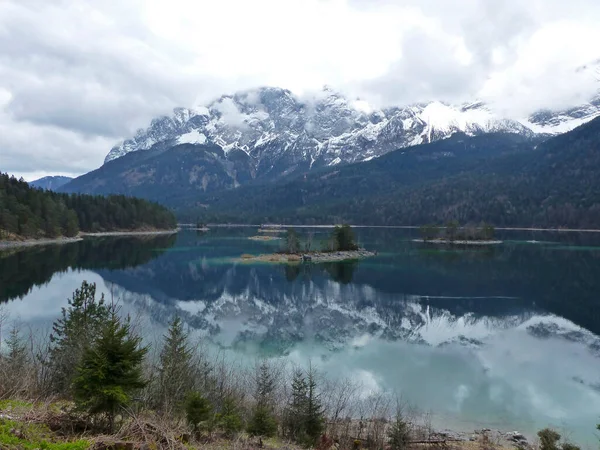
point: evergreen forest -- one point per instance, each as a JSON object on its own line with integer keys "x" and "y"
{"x": 30, "y": 213}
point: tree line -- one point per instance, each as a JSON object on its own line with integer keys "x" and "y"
{"x": 341, "y": 239}
{"x": 27, "y": 212}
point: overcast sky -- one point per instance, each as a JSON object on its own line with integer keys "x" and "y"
{"x": 76, "y": 77}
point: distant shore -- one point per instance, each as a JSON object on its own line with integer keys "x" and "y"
{"x": 130, "y": 233}
{"x": 67, "y": 240}
{"x": 404, "y": 227}
{"x": 457, "y": 242}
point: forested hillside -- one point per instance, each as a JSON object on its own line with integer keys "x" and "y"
{"x": 26, "y": 212}
{"x": 311, "y": 196}
{"x": 496, "y": 179}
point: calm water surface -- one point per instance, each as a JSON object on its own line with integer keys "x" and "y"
{"x": 501, "y": 338}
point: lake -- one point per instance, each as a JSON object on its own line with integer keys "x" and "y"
{"x": 503, "y": 337}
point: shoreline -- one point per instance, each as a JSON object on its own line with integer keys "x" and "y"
{"x": 313, "y": 257}
{"x": 407, "y": 227}
{"x": 265, "y": 238}
{"x": 456, "y": 242}
{"x": 5, "y": 245}
{"x": 129, "y": 233}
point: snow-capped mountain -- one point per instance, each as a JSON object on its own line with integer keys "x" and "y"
{"x": 278, "y": 130}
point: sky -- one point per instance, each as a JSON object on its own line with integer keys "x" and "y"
{"x": 76, "y": 78}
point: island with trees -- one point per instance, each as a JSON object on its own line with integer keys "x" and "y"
{"x": 454, "y": 234}
{"x": 27, "y": 213}
{"x": 339, "y": 246}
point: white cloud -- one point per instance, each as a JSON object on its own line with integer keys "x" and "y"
{"x": 230, "y": 113}
{"x": 77, "y": 77}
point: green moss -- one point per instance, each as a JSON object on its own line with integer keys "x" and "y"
{"x": 6, "y": 405}
{"x": 19, "y": 436}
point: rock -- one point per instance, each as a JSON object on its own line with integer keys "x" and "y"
{"x": 17, "y": 433}
{"x": 516, "y": 436}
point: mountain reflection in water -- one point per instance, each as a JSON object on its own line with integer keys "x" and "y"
{"x": 501, "y": 337}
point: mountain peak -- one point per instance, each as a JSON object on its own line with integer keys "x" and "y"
{"x": 278, "y": 129}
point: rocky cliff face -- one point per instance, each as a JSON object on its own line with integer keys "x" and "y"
{"x": 281, "y": 133}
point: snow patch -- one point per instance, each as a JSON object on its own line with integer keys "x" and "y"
{"x": 193, "y": 137}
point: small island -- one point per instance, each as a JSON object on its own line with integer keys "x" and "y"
{"x": 264, "y": 238}
{"x": 271, "y": 229}
{"x": 340, "y": 246}
{"x": 453, "y": 234}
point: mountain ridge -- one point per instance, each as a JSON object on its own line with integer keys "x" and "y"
{"x": 50, "y": 182}
{"x": 275, "y": 127}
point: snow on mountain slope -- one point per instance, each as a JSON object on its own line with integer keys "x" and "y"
{"x": 193, "y": 137}
{"x": 281, "y": 133}
{"x": 560, "y": 122}
{"x": 277, "y": 129}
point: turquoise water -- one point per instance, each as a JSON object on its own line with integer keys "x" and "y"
{"x": 503, "y": 337}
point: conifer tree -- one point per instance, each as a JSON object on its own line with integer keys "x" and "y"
{"x": 399, "y": 432}
{"x": 110, "y": 370}
{"x": 197, "y": 410}
{"x": 262, "y": 422}
{"x": 14, "y": 367}
{"x": 229, "y": 418}
{"x": 295, "y": 416}
{"x": 176, "y": 371}
{"x": 315, "y": 420}
{"x": 305, "y": 421}
{"x": 16, "y": 357}
{"x": 80, "y": 323}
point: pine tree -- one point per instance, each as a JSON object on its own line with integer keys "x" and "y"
{"x": 81, "y": 321}
{"x": 110, "y": 370}
{"x": 15, "y": 364}
{"x": 295, "y": 416}
{"x": 16, "y": 357}
{"x": 344, "y": 238}
{"x": 315, "y": 420}
{"x": 305, "y": 421}
{"x": 399, "y": 432}
{"x": 262, "y": 422}
{"x": 229, "y": 418}
{"x": 176, "y": 371}
{"x": 197, "y": 410}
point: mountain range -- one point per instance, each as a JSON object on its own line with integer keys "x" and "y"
{"x": 278, "y": 130}
{"x": 257, "y": 146}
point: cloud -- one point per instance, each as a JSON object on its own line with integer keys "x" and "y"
{"x": 230, "y": 113}
{"x": 81, "y": 76}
